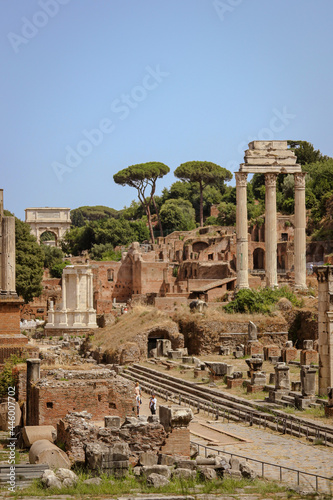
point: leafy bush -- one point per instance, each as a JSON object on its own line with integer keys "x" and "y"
{"x": 57, "y": 269}
{"x": 260, "y": 301}
{"x": 6, "y": 376}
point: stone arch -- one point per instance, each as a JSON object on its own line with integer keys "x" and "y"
{"x": 258, "y": 258}
{"x": 55, "y": 220}
{"x": 49, "y": 241}
{"x": 199, "y": 246}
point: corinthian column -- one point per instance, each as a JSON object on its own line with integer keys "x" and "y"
{"x": 270, "y": 230}
{"x": 300, "y": 239}
{"x": 241, "y": 231}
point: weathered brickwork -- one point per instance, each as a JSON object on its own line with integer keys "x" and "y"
{"x": 10, "y": 316}
{"x": 177, "y": 442}
{"x": 100, "y": 392}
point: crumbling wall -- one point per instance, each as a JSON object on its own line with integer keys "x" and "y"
{"x": 100, "y": 392}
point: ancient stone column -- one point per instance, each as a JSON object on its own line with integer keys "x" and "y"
{"x": 325, "y": 327}
{"x": 300, "y": 238}
{"x": 241, "y": 231}
{"x": 33, "y": 374}
{"x": 8, "y": 256}
{"x": 271, "y": 231}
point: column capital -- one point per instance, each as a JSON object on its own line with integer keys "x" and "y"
{"x": 270, "y": 180}
{"x": 300, "y": 180}
{"x": 241, "y": 179}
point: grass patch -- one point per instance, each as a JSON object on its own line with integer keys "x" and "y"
{"x": 134, "y": 485}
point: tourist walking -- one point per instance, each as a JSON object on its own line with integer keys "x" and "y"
{"x": 153, "y": 403}
{"x": 138, "y": 404}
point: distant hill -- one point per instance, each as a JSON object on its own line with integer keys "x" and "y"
{"x": 80, "y": 216}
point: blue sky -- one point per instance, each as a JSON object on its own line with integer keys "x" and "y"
{"x": 90, "y": 87}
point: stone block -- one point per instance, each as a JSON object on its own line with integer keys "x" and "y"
{"x": 162, "y": 470}
{"x": 309, "y": 357}
{"x": 32, "y": 433}
{"x": 289, "y": 354}
{"x": 296, "y": 386}
{"x": 307, "y": 345}
{"x": 280, "y": 145}
{"x": 183, "y": 463}
{"x": 112, "y": 421}
{"x": 174, "y": 416}
{"x": 187, "y": 360}
{"x": 271, "y": 351}
{"x": 234, "y": 382}
{"x": 148, "y": 459}
{"x": 175, "y": 354}
{"x": 184, "y": 474}
{"x": 164, "y": 459}
{"x": 253, "y": 347}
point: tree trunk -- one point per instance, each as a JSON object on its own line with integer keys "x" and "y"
{"x": 150, "y": 224}
{"x": 158, "y": 217}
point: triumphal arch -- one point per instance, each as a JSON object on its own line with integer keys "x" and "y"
{"x": 270, "y": 158}
{"x": 50, "y": 219}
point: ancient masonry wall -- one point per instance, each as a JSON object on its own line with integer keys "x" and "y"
{"x": 99, "y": 396}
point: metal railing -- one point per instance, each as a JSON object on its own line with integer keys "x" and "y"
{"x": 283, "y": 424}
{"x": 280, "y": 468}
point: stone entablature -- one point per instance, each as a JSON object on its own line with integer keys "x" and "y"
{"x": 76, "y": 309}
{"x": 54, "y": 220}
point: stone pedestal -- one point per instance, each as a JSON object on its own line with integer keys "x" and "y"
{"x": 241, "y": 231}
{"x": 289, "y": 353}
{"x": 253, "y": 347}
{"x": 282, "y": 379}
{"x": 271, "y": 351}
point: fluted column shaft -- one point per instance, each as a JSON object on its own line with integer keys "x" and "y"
{"x": 241, "y": 231}
{"x": 299, "y": 233}
{"x": 270, "y": 230}
{"x": 8, "y": 256}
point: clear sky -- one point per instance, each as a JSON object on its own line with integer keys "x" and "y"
{"x": 90, "y": 87}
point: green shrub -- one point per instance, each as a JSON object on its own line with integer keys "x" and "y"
{"x": 261, "y": 301}
{"x": 6, "y": 376}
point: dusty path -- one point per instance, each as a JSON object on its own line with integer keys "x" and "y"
{"x": 264, "y": 446}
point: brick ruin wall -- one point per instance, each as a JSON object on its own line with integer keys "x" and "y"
{"x": 99, "y": 394}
